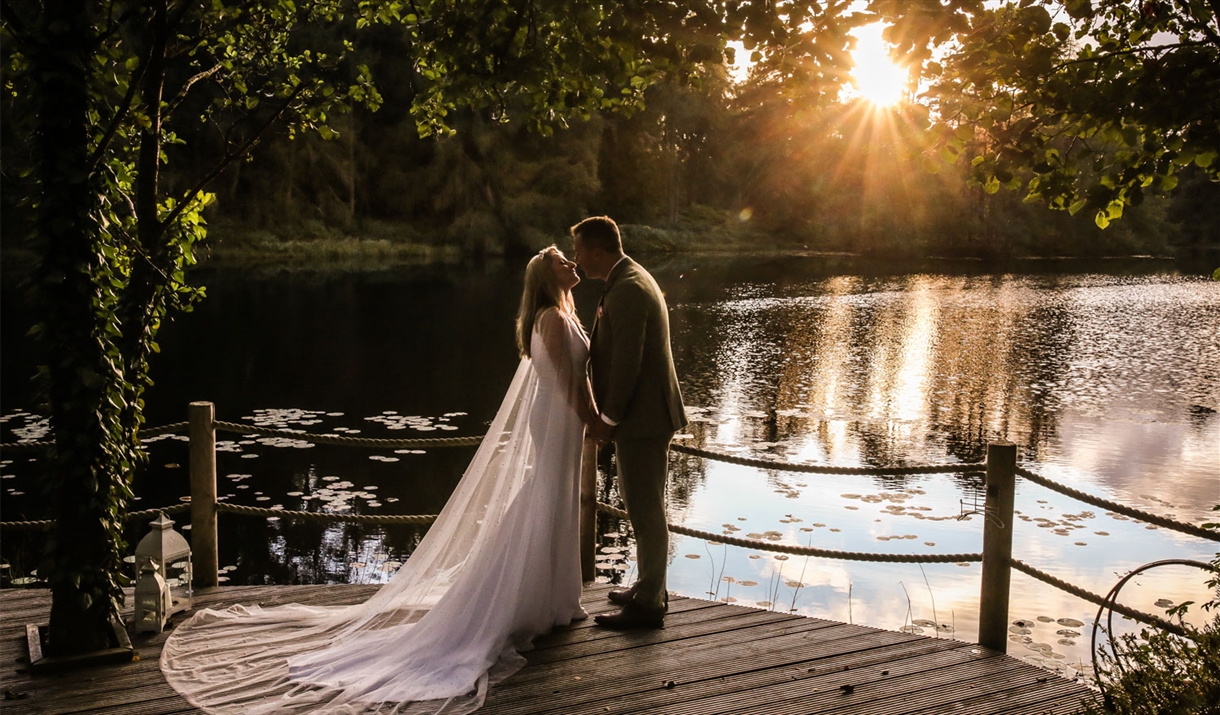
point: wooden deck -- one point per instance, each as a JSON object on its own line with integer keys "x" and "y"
{"x": 710, "y": 658}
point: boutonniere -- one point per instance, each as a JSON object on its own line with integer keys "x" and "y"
{"x": 599, "y": 312}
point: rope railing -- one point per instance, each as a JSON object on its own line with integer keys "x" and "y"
{"x": 26, "y": 446}
{"x": 441, "y": 442}
{"x": 1096, "y": 599}
{"x": 1120, "y": 508}
{"x": 327, "y": 516}
{"x": 348, "y": 441}
{"x": 798, "y": 550}
{"x": 131, "y": 516}
{"x": 164, "y": 429}
{"x": 820, "y": 469}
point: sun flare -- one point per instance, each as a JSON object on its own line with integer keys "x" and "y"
{"x": 875, "y": 76}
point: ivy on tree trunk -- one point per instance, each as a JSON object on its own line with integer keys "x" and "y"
{"x": 90, "y": 460}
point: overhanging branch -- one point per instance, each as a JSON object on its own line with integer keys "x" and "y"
{"x": 186, "y": 87}
{"x": 1158, "y": 49}
{"x": 229, "y": 157}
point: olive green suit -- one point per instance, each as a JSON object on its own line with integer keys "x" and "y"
{"x": 636, "y": 387}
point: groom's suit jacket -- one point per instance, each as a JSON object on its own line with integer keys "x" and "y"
{"x": 630, "y": 362}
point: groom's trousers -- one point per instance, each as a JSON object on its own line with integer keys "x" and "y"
{"x": 643, "y": 465}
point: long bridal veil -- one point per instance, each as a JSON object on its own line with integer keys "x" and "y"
{"x": 352, "y": 659}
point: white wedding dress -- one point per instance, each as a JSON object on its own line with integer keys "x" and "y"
{"x": 500, "y": 566}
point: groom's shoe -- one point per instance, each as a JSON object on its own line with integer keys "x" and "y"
{"x": 621, "y": 596}
{"x": 633, "y": 615}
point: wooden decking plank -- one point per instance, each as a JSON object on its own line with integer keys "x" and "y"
{"x": 941, "y": 699}
{"x": 96, "y": 684}
{"x": 722, "y": 659}
{"x": 904, "y": 679}
{"x": 627, "y": 659}
{"x": 929, "y": 687}
{"x": 738, "y": 675}
{"x": 167, "y": 705}
{"x": 1047, "y": 692}
{"x": 633, "y": 672}
{"x": 581, "y": 643}
{"x": 588, "y": 630}
{"x": 126, "y": 676}
{"x": 828, "y": 675}
{"x": 19, "y": 598}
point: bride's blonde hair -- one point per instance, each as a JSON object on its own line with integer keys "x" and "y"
{"x": 540, "y": 292}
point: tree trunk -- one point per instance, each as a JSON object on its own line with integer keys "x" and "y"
{"x": 78, "y": 554}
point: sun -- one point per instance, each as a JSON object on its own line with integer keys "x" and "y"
{"x": 875, "y": 77}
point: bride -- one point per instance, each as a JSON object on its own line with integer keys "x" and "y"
{"x": 499, "y": 566}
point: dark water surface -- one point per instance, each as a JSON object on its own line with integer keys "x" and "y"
{"x": 1105, "y": 374}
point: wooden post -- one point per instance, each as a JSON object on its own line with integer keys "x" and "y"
{"x": 997, "y": 545}
{"x": 205, "y": 556}
{"x": 588, "y": 510}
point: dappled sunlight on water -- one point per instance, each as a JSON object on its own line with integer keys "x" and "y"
{"x": 1106, "y": 383}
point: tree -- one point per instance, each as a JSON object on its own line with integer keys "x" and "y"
{"x": 1085, "y": 105}
{"x": 101, "y": 84}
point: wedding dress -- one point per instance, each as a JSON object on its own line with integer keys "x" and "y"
{"x": 499, "y": 566}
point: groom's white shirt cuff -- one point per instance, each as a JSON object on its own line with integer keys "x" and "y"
{"x": 609, "y": 421}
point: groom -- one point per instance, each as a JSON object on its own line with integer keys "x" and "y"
{"x": 636, "y": 389}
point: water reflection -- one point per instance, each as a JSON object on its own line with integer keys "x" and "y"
{"x": 1108, "y": 381}
{"x": 931, "y": 367}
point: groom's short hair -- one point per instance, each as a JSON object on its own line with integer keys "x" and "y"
{"x": 599, "y": 232}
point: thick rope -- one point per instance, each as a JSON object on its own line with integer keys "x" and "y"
{"x": 327, "y": 516}
{"x": 1191, "y": 529}
{"x": 349, "y": 441}
{"x": 164, "y": 429}
{"x": 797, "y": 550}
{"x": 816, "y": 469}
{"x": 180, "y": 508}
{"x": 1096, "y": 599}
{"x": 131, "y": 515}
{"x": 24, "y": 446}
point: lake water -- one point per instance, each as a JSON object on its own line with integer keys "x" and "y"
{"x": 1105, "y": 374}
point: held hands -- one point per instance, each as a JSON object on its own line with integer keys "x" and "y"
{"x": 600, "y": 432}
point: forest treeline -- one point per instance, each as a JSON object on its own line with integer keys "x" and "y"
{"x": 708, "y": 164}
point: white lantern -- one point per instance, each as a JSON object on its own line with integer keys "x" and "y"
{"x": 153, "y": 599}
{"x": 172, "y": 555}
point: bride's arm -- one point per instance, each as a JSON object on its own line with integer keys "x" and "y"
{"x": 557, "y": 340}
